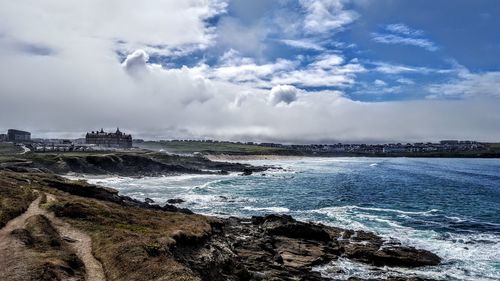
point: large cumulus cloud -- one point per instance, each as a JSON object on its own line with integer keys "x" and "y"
{"x": 81, "y": 82}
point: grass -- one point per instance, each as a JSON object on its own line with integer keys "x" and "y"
{"x": 9, "y": 148}
{"x": 15, "y": 196}
{"x": 132, "y": 243}
{"x": 210, "y": 147}
{"x": 494, "y": 146}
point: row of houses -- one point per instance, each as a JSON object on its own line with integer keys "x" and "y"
{"x": 442, "y": 146}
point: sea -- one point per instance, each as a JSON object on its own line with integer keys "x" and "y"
{"x": 448, "y": 206}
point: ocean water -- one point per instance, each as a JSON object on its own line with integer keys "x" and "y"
{"x": 448, "y": 206}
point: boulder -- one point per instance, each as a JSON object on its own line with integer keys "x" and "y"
{"x": 175, "y": 201}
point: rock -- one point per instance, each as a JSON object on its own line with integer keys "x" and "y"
{"x": 247, "y": 172}
{"x": 368, "y": 248}
{"x": 172, "y": 208}
{"x": 285, "y": 225}
{"x": 404, "y": 257}
{"x": 277, "y": 247}
{"x": 175, "y": 201}
{"x": 148, "y": 200}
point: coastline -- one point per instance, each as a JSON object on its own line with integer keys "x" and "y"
{"x": 235, "y": 158}
{"x": 203, "y": 248}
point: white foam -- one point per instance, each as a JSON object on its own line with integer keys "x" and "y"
{"x": 268, "y": 209}
{"x": 473, "y": 256}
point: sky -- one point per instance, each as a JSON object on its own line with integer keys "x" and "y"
{"x": 292, "y": 71}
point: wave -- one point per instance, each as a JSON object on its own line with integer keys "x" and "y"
{"x": 354, "y": 207}
{"x": 268, "y": 209}
{"x": 469, "y": 256}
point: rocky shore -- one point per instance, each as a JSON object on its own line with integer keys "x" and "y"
{"x": 274, "y": 247}
{"x": 277, "y": 247}
{"x": 135, "y": 240}
{"x": 133, "y": 164}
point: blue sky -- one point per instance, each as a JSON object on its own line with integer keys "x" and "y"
{"x": 430, "y": 42}
{"x": 257, "y": 70}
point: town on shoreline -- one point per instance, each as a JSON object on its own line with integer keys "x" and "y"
{"x": 101, "y": 140}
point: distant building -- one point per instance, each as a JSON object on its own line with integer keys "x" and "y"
{"x": 449, "y": 142}
{"x": 3, "y": 137}
{"x": 101, "y": 138}
{"x": 18, "y": 136}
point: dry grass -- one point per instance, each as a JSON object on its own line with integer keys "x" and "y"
{"x": 15, "y": 196}
{"x": 133, "y": 243}
{"x": 51, "y": 257}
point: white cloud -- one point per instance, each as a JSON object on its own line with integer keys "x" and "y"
{"x": 390, "y": 68}
{"x": 400, "y": 33}
{"x": 302, "y": 44}
{"x": 405, "y": 81}
{"x": 468, "y": 85}
{"x": 326, "y": 15}
{"x": 396, "y": 39}
{"x": 379, "y": 83}
{"x": 403, "y": 29}
{"x": 136, "y": 62}
{"x": 238, "y": 69}
{"x": 79, "y": 84}
{"x": 283, "y": 94}
{"x": 324, "y": 71}
{"x": 248, "y": 40}
{"x": 156, "y": 26}
{"x": 328, "y": 61}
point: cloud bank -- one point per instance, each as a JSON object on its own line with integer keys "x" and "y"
{"x": 85, "y": 70}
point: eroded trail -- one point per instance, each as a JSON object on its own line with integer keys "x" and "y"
{"x": 11, "y": 249}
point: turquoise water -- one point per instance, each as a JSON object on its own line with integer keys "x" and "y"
{"x": 448, "y": 206}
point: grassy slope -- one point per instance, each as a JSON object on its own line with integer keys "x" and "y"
{"x": 9, "y": 148}
{"x": 214, "y": 148}
{"x": 131, "y": 243}
{"x": 15, "y": 196}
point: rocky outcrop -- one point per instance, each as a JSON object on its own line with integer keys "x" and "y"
{"x": 84, "y": 189}
{"x": 175, "y": 201}
{"x": 124, "y": 164}
{"x": 274, "y": 247}
{"x": 277, "y": 247}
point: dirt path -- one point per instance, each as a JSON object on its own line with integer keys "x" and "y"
{"x": 79, "y": 241}
{"x": 11, "y": 250}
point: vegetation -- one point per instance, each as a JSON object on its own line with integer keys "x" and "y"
{"x": 132, "y": 243}
{"x": 9, "y": 148}
{"x": 211, "y": 147}
{"x": 15, "y": 196}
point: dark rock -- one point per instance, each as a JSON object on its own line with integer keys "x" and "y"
{"x": 175, "y": 201}
{"x": 172, "y": 208}
{"x": 247, "y": 172}
{"x": 277, "y": 247}
{"x": 284, "y": 225}
{"x": 148, "y": 200}
{"x": 369, "y": 248}
{"x": 127, "y": 164}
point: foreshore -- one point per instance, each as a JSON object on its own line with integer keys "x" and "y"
{"x": 136, "y": 240}
{"x": 235, "y": 158}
